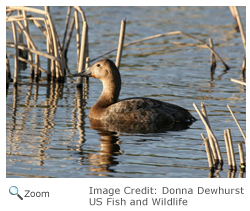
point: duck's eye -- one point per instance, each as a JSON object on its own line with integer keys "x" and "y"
{"x": 98, "y": 65}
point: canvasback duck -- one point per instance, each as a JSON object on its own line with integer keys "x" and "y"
{"x": 138, "y": 109}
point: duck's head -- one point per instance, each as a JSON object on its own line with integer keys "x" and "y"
{"x": 104, "y": 70}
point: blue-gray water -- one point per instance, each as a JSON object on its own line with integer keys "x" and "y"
{"x": 49, "y": 135}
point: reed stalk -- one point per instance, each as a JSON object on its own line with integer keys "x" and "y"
{"x": 82, "y": 56}
{"x": 66, "y": 27}
{"x": 16, "y": 72}
{"x": 27, "y": 9}
{"x": 120, "y": 44}
{"x": 78, "y": 44}
{"x": 50, "y": 64}
{"x": 242, "y": 157}
{"x": 8, "y": 44}
{"x": 163, "y": 35}
{"x": 20, "y": 36}
{"x": 231, "y": 148}
{"x": 229, "y": 157}
{"x": 86, "y": 81}
{"x": 47, "y": 8}
{"x": 239, "y": 82}
{"x": 209, "y": 132}
{"x": 39, "y": 26}
{"x": 35, "y": 52}
{"x": 29, "y": 39}
{"x": 26, "y": 25}
{"x": 34, "y": 65}
{"x": 53, "y": 44}
{"x": 237, "y": 17}
{"x": 50, "y": 51}
{"x": 238, "y": 124}
{"x": 14, "y": 18}
{"x": 204, "y": 112}
{"x": 211, "y": 141}
{"x": 65, "y": 49}
{"x": 26, "y": 61}
{"x": 79, "y": 9}
{"x": 234, "y": 15}
{"x": 22, "y": 18}
{"x": 58, "y": 63}
{"x": 208, "y": 151}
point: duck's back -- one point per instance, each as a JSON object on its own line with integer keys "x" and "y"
{"x": 146, "y": 110}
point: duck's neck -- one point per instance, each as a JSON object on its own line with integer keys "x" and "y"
{"x": 110, "y": 92}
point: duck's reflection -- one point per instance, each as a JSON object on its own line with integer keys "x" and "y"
{"x": 110, "y": 148}
{"x": 110, "y": 144}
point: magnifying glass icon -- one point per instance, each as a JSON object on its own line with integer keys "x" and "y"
{"x": 14, "y": 191}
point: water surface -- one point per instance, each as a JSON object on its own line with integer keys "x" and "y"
{"x": 48, "y": 132}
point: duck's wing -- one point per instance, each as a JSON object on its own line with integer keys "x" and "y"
{"x": 150, "y": 109}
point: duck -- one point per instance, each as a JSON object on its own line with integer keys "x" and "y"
{"x": 110, "y": 108}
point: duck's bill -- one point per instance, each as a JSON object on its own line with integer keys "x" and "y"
{"x": 81, "y": 74}
{"x": 84, "y": 73}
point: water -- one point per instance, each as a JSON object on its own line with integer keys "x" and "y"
{"x": 48, "y": 133}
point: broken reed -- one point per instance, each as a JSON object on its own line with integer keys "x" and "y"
{"x": 212, "y": 139}
{"x": 204, "y": 45}
{"x": 120, "y": 44}
{"x": 212, "y": 146}
{"x": 239, "y": 28}
{"x": 56, "y": 52}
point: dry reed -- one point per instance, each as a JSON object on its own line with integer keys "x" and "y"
{"x": 213, "y": 151}
{"x": 238, "y": 124}
{"x": 209, "y": 154}
{"x": 235, "y": 13}
{"x": 120, "y": 44}
{"x": 35, "y": 52}
{"x": 56, "y": 67}
{"x": 205, "y": 45}
{"x": 26, "y": 61}
{"x": 16, "y": 53}
{"x": 30, "y": 41}
{"x": 66, "y": 27}
{"x": 56, "y": 51}
{"x": 210, "y": 132}
{"x": 229, "y": 157}
{"x": 230, "y": 142}
{"x": 82, "y": 56}
{"x": 66, "y": 46}
{"x": 242, "y": 157}
{"x": 77, "y": 36}
{"x": 239, "y": 82}
{"x": 211, "y": 141}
